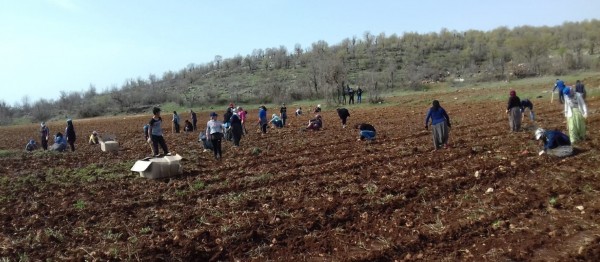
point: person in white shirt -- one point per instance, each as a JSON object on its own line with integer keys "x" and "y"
{"x": 214, "y": 133}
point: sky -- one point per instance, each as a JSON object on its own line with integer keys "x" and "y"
{"x": 49, "y": 46}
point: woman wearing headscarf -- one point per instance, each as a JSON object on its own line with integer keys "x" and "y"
{"x": 576, "y": 113}
{"x": 555, "y": 143}
{"x": 262, "y": 119}
{"x": 236, "y": 128}
{"x": 70, "y": 134}
{"x": 514, "y": 111}
{"x": 440, "y": 124}
{"x": 214, "y": 133}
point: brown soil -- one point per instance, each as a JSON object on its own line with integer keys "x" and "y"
{"x": 313, "y": 195}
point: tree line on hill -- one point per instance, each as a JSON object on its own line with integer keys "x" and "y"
{"x": 376, "y": 63}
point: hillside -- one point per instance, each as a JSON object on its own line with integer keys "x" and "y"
{"x": 377, "y": 63}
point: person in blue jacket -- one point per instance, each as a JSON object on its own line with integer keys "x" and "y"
{"x": 553, "y": 140}
{"x": 560, "y": 85}
{"x": 440, "y": 124}
{"x": 60, "y": 143}
{"x": 262, "y": 119}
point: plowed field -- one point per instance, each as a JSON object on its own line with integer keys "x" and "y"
{"x": 317, "y": 196}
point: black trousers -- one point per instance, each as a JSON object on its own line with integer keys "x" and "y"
{"x": 72, "y": 145}
{"x": 44, "y": 143}
{"x": 216, "y": 139}
{"x": 344, "y": 120}
{"x": 159, "y": 140}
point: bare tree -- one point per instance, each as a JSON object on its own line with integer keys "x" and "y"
{"x": 218, "y": 60}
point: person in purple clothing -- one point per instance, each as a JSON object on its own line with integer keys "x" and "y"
{"x": 440, "y": 124}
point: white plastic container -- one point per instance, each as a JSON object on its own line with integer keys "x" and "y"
{"x": 109, "y": 146}
{"x": 160, "y": 167}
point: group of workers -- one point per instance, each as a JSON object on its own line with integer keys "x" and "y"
{"x": 233, "y": 126}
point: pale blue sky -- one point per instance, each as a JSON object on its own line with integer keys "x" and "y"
{"x": 51, "y": 45}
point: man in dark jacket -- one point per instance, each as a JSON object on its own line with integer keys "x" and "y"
{"x": 343, "y": 114}
{"x": 70, "y": 133}
{"x": 580, "y": 88}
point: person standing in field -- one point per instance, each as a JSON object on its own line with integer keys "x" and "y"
{"x": 155, "y": 133}
{"x": 194, "y": 119}
{"x": 262, "y": 119}
{"x": 440, "y": 124}
{"x": 242, "y": 114}
{"x": 175, "y": 122}
{"x": 560, "y": 85}
{"x": 45, "y": 134}
{"x": 237, "y": 130}
{"x": 580, "y": 88}
{"x": 214, "y": 133}
{"x": 576, "y": 113}
{"x": 283, "y": 113}
{"x": 343, "y": 114}
{"x": 514, "y": 111}
{"x": 359, "y": 95}
{"x": 70, "y": 134}
{"x": 350, "y": 95}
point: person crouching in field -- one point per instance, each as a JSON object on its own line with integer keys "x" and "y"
{"x": 60, "y": 143}
{"x": 276, "y": 121}
{"x": 576, "y": 113}
{"x": 514, "y": 111}
{"x": 315, "y": 124}
{"x": 527, "y": 104}
{"x": 317, "y": 109}
{"x": 365, "y": 131}
{"x": 155, "y": 133}
{"x": 440, "y": 124}
{"x": 94, "y": 140}
{"x": 188, "y": 126}
{"x": 343, "y": 114}
{"x": 555, "y": 143}
{"x": 31, "y": 145}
